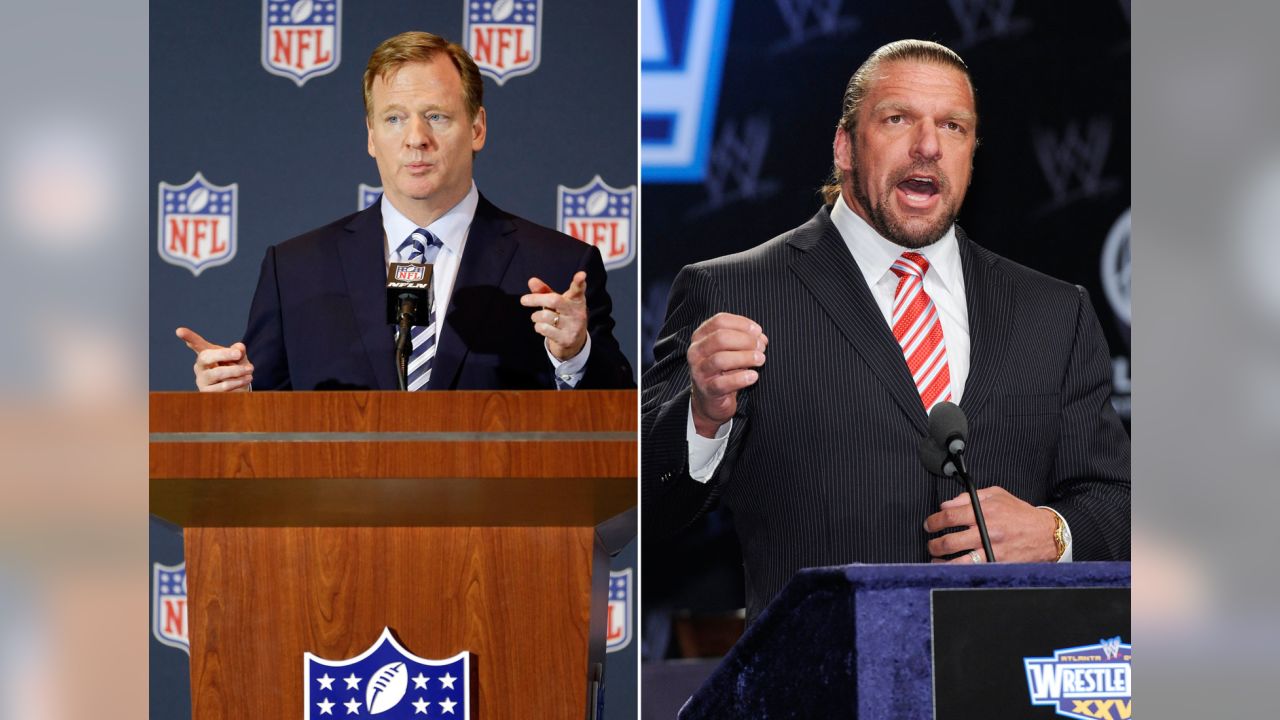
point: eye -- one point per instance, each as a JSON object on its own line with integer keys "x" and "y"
{"x": 895, "y": 119}
{"x": 953, "y": 126}
{"x": 436, "y": 117}
{"x": 393, "y": 120}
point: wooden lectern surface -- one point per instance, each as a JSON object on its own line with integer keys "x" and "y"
{"x": 517, "y": 598}
{"x": 393, "y": 459}
{"x": 462, "y": 521}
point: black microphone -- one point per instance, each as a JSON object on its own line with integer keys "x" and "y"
{"x": 942, "y": 453}
{"x": 408, "y": 303}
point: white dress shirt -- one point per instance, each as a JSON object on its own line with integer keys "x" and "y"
{"x": 875, "y": 255}
{"x": 453, "y": 228}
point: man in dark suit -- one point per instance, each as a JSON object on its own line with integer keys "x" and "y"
{"x": 318, "y": 319}
{"x": 870, "y": 313}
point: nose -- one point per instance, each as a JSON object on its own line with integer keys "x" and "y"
{"x": 926, "y": 145}
{"x": 418, "y": 133}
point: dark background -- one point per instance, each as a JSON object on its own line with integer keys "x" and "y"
{"x": 1051, "y": 180}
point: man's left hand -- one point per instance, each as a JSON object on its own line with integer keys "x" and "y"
{"x": 561, "y": 317}
{"x": 1020, "y": 532}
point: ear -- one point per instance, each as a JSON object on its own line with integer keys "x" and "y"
{"x": 842, "y": 151}
{"x": 368, "y": 125}
{"x": 478, "y": 131}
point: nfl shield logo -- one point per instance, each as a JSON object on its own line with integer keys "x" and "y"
{"x": 169, "y": 605}
{"x": 367, "y": 195}
{"x": 196, "y": 228}
{"x": 621, "y": 595}
{"x": 504, "y": 37}
{"x": 410, "y": 273}
{"x": 301, "y": 38}
{"x": 390, "y": 681}
{"x": 600, "y": 215}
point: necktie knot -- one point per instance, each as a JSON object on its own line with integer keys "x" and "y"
{"x": 910, "y": 264}
{"x": 414, "y": 247}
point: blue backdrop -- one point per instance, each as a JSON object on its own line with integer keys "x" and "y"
{"x": 230, "y": 102}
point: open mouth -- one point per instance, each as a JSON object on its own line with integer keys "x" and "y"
{"x": 919, "y": 190}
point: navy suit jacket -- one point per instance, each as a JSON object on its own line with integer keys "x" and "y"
{"x": 822, "y": 465}
{"x": 319, "y": 317}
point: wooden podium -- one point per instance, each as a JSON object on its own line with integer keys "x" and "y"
{"x": 461, "y": 520}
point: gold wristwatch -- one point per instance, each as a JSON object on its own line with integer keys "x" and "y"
{"x": 1061, "y": 535}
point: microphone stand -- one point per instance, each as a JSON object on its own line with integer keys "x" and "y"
{"x": 404, "y": 345}
{"x": 955, "y": 463}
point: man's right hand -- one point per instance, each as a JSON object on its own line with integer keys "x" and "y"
{"x": 722, "y": 357}
{"x": 218, "y": 368}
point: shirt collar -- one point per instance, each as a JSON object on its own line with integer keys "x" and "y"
{"x": 874, "y": 254}
{"x": 450, "y": 227}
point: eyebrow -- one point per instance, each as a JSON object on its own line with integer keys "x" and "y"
{"x": 902, "y": 107}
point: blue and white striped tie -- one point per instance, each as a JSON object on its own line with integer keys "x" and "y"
{"x": 421, "y": 247}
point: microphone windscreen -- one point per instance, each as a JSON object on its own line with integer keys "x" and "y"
{"x": 932, "y": 455}
{"x": 947, "y": 422}
{"x": 412, "y": 279}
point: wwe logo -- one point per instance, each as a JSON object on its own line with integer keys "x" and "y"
{"x": 985, "y": 19}
{"x": 1073, "y": 161}
{"x": 736, "y": 162}
{"x": 1110, "y": 647}
{"x": 809, "y": 19}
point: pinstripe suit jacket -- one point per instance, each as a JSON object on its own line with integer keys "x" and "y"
{"x": 822, "y": 465}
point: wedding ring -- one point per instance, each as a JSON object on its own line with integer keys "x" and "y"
{"x": 975, "y": 557}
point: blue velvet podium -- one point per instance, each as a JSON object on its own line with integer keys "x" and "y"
{"x": 856, "y": 641}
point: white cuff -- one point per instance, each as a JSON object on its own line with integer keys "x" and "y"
{"x": 705, "y": 454}
{"x": 1066, "y": 532}
{"x": 569, "y": 372}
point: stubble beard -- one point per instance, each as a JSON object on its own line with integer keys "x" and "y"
{"x": 890, "y": 226}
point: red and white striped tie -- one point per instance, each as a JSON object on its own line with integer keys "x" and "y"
{"x": 918, "y": 329}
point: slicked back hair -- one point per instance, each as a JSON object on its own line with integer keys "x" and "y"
{"x": 859, "y": 85}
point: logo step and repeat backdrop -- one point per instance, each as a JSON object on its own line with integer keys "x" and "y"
{"x": 258, "y": 134}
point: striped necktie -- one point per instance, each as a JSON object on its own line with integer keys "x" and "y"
{"x": 421, "y": 247}
{"x": 918, "y": 329}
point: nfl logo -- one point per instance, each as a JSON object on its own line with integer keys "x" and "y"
{"x": 367, "y": 195}
{"x": 301, "y": 38}
{"x": 600, "y": 215}
{"x": 410, "y": 272}
{"x": 618, "y": 627}
{"x": 169, "y": 605}
{"x": 504, "y": 37}
{"x": 196, "y": 228}
{"x": 388, "y": 680}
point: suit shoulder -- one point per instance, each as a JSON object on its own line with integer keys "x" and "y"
{"x": 761, "y": 258}
{"x": 1026, "y": 278}
{"x": 544, "y": 239}
{"x": 315, "y": 238}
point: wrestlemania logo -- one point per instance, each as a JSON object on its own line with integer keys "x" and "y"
{"x": 504, "y": 37}
{"x": 197, "y": 224}
{"x": 600, "y": 215}
{"x": 1087, "y": 682}
{"x": 390, "y": 681}
{"x": 300, "y": 38}
{"x": 169, "y": 605}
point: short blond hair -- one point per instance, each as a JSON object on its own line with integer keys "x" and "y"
{"x": 417, "y": 46}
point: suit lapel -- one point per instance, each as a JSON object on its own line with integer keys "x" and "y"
{"x": 990, "y": 303}
{"x": 490, "y": 247}
{"x": 832, "y": 276}
{"x": 364, "y": 267}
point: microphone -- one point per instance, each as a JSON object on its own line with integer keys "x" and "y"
{"x": 942, "y": 453}
{"x": 409, "y": 299}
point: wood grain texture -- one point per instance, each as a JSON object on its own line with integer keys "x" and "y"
{"x": 517, "y": 598}
{"x": 460, "y": 410}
